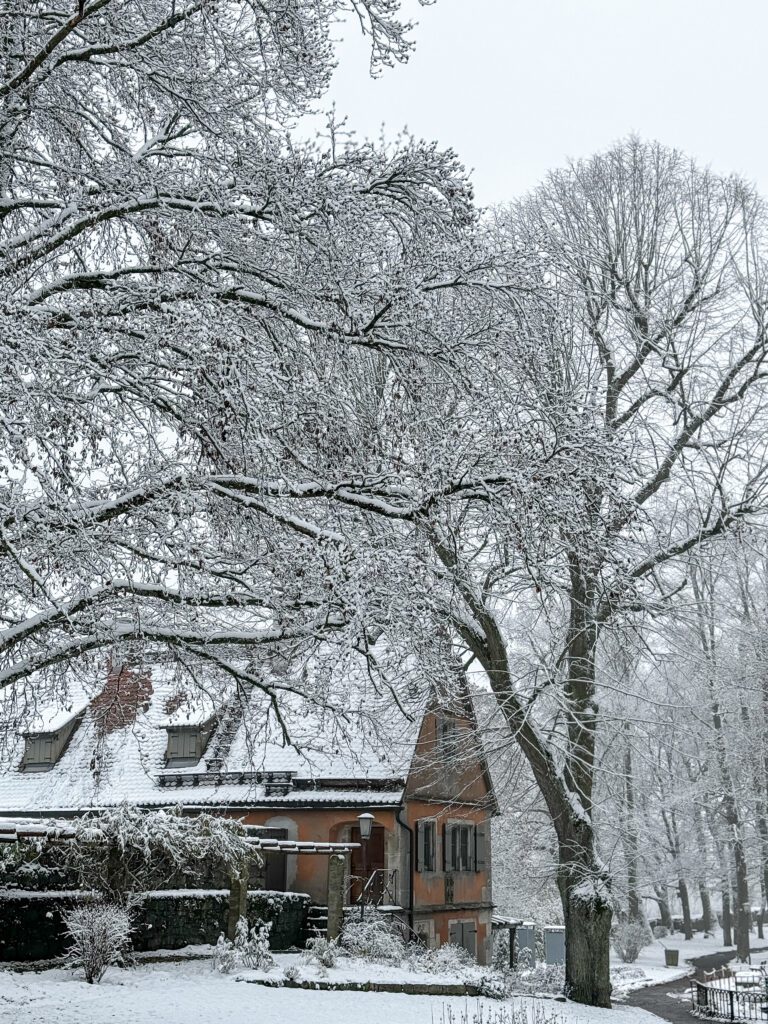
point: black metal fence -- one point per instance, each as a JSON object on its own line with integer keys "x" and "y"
{"x": 712, "y": 1000}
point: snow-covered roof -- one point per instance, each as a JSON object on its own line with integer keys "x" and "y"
{"x": 55, "y": 717}
{"x": 357, "y": 751}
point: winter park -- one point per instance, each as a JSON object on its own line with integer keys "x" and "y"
{"x": 383, "y": 512}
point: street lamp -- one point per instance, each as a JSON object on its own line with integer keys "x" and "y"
{"x": 365, "y": 821}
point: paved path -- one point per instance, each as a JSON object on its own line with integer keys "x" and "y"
{"x": 664, "y": 1000}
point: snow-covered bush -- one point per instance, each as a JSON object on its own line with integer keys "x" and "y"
{"x": 373, "y": 940}
{"x": 447, "y": 959}
{"x": 493, "y": 985}
{"x": 126, "y": 849}
{"x": 629, "y": 938}
{"x": 291, "y": 973}
{"x": 101, "y": 937}
{"x": 250, "y": 948}
{"x": 660, "y": 931}
{"x": 322, "y": 951}
{"x": 543, "y": 979}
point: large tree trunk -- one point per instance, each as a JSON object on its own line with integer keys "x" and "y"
{"x": 582, "y": 879}
{"x": 743, "y": 903}
{"x": 685, "y": 902}
{"x": 587, "y": 915}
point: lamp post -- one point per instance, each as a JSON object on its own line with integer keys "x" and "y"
{"x": 365, "y": 821}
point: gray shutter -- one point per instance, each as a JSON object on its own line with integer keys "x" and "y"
{"x": 446, "y": 847}
{"x": 430, "y": 832}
{"x": 469, "y": 937}
{"x": 454, "y": 933}
{"x": 481, "y": 847}
{"x": 420, "y": 845}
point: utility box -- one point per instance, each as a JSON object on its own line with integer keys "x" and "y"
{"x": 525, "y": 937}
{"x": 554, "y": 944}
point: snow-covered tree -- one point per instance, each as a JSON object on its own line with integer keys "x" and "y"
{"x": 182, "y": 282}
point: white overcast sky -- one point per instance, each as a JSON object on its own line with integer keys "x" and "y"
{"x": 518, "y": 86}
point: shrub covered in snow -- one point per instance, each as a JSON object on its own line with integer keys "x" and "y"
{"x": 100, "y": 934}
{"x": 381, "y": 941}
{"x": 660, "y": 931}
{"x": 447, "y": 959}
{"x": 321, "y": 951}
{"x": 126, "y": 849}
{"x": 629, "y": 938}
{"x": 373, "y": 940}
{"x": 543, "y": 979}
{"x": 250, "y": 948}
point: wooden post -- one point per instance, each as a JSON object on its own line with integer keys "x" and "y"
{"x": 238, "y": 900}
{"x": 336, "y": 873}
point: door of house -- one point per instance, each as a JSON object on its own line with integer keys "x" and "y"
{"x": 374, "y": 861}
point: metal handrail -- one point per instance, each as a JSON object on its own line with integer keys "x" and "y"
{"x": 388, "y": 886}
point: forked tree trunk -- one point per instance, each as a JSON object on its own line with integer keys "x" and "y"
{"x": 685, "y": 902}
{"x": 707, "y": 917}
{"x": 664, "y": 912}
{"x": 582, "y": 879}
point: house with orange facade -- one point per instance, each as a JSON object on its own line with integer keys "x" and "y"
{"x": 417, "y": 784}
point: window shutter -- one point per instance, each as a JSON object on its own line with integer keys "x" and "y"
{"x": 481, "y": 847}
{"x": 420, "y": 845}
{"x": 446, "y": 851}
{"x": 173, "y": 744}
{"x": 430, "y": 842}
{"x": 454, "y": 933}
{"x": 469, "y": 937}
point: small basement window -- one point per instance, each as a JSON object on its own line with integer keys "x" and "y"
{"x": 186, "y": 744}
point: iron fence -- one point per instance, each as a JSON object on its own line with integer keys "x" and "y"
{"x": 732, "y": 1004}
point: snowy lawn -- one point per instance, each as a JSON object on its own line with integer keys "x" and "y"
{"x": 192, "y": 993}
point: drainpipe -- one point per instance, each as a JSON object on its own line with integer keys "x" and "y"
{"x": 409, "y": 830}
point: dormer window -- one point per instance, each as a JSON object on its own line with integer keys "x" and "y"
{"x": 47, "y": 738}
{"x": 186, "y": 744}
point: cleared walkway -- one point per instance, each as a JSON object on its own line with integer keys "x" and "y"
{"x": 670, "y": 1000}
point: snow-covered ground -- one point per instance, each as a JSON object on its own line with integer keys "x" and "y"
{"x": 192, "y": 993}
{"x": 627, "y": 977}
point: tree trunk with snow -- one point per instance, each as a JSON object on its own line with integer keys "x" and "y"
{"x": 587, "y": 915}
